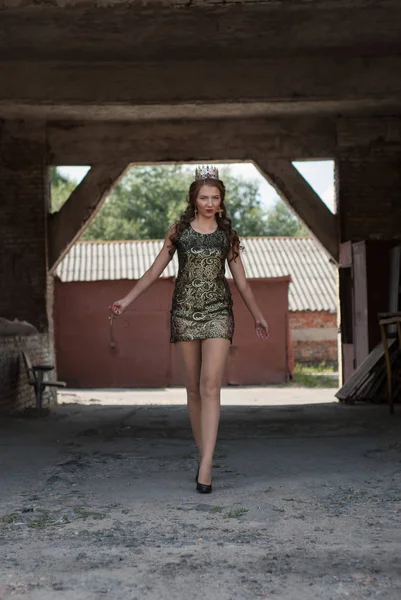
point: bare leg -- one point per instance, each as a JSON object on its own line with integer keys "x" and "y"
{"x": 214, "y": 360}
{"x": 190, "y": 355}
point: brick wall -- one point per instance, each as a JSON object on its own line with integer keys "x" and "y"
{"x": 315, "y": 352}
{"x": 303, "y": 319}
{"x": 16, "y": 393}
{"x": 369, "y": 178}
{"x": 25, "y": 285}
{"x": 310, "y": 322}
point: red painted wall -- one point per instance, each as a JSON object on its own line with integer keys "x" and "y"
{"x": 142, "y": 355}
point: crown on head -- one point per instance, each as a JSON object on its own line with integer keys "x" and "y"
{"x": 206, "y": 172}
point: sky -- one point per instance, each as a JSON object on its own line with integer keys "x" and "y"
{"x": 319, "y": 174}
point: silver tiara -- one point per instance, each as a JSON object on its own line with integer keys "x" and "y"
{"x": 206, "y": 172}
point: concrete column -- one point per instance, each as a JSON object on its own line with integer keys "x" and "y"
{"x": 24, "y": 191}
{"x": 368, "y": 177}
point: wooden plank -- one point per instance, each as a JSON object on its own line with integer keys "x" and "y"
{"x": 360, "y": 376}
{"x": 361, "y": 334}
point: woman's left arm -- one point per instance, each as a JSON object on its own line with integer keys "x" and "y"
{"x": 240, "y": 280}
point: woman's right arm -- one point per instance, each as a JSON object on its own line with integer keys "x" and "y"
{"x": 160, "y": 263}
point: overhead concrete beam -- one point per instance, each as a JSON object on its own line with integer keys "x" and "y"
{"x": 71, "y": 143}
{"x": 308, "y": 206}
{"x": 276, "y": 80}
{"x": 184, "y": 3}
{"x": 123, "y": 30}
{"x": 212, "y": 110}
{"x": 66, "y": 225}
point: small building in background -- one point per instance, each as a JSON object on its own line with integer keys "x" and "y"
{"x": 292, "y": 279}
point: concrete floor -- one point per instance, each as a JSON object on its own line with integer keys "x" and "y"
{"x": 98, "y": 499}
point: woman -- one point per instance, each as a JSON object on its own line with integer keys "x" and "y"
{"x": 202, "y": 322}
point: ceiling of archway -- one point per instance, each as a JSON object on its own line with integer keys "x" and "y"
{"x": 131, "y": 59}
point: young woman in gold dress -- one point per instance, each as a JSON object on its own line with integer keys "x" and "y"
{"x": 202, "y": 321}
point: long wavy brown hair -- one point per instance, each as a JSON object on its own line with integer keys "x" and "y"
{"x": 223, "y": 221}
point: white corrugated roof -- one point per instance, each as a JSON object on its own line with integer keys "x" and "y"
{"x": 313, "y": 285}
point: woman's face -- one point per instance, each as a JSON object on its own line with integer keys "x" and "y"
{"x": 208, "y": 201}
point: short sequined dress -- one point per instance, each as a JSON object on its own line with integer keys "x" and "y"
{"x": 202, "y": 302}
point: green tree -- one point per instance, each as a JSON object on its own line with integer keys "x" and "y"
{"x": 142, "y": 205}
{"x": 244, "y": 205}
{"x": 281, "y": 221}
{"x": 61, "y": 188}
{"x": 148, "y": 199}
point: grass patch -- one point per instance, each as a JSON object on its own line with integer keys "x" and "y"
{"x": 217, "y": 509}
{"x": 315, "y": 375}
{"x": 9, "y": 519}
{"x": 235, "y": 513}
{"x": 43, "y": 521}
{"x": 321, "y": 367}
{"x": 46, "y": 520}
{"x": 83, "y": 513}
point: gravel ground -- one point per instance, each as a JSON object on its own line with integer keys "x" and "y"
{"x": 97, "y": 500}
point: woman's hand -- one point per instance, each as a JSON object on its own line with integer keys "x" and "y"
{"x": 262, "y": 329}
{"x": 118, "y": 307}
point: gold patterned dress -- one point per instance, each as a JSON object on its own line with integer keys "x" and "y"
{"x": 202, "y": 303}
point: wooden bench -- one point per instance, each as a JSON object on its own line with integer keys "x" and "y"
{"x": 36, "y": 378}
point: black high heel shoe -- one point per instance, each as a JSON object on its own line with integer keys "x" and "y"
{"x": 202, "y": 488}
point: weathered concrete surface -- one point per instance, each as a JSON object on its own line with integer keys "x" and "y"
{"x": 154, "y": 141}
{"x": 279, "y": 81}
{"x": 99, "y": 501}
{"x": 67, "y": 224}
{"x": 305, "y": 202}
{"x": 142, "y": 29}
{"x": 128, "y": 59}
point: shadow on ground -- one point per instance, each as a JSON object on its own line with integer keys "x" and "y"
{"x": 100, "y": 502}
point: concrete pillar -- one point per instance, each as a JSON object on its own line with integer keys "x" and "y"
{"x": 25, "y": 286}
{"x": 368, "y": 178}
